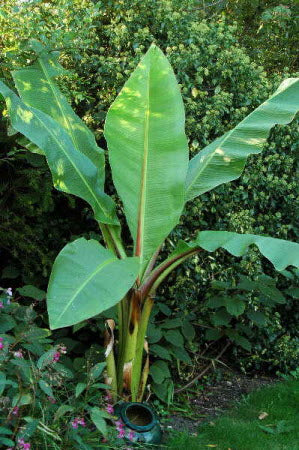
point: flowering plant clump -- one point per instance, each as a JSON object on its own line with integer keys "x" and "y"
{"x": 33, "y": 375}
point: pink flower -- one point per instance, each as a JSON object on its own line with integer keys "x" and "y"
{"x": 1, "y": 344}
{"x": 110, "y": 409}
{"x": 18, "y": 354}
{"x": 23, "y": 444}
{"x": 131, "y": 435}
{"x": 1, "y": 305}
{"x": 51, "y": 399}
{"x": 108, "y": 397}
{"x": 15, "y": 410}
{"x": 78, "y": 421}
{"x": 121, "y": 434}
{"x": 119, "y": 425}
{"x": 56, "y": 357}
{"x": 9, "y": 291}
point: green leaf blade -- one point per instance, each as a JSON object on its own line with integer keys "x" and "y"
{"x": 87, "y": 279}
{"x": 279, "y": 252}
{"x": 148, "y": 152}
{"x": 37, "y": 89}
{"x": 72, "y": 171}
{"x": 224, "y": 159}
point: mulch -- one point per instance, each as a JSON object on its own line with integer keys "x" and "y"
{"x": 214, "y": 400}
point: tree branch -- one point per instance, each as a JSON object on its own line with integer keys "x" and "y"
{"x": 201, "y": 374}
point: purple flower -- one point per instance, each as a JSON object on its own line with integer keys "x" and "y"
{"x": 23, "y": 444}
{"x": 131, "y": 435}
{"x": 119, "y": 425}
{"x": 78, "y": 421}
{"x": 1, "y": 305}
{"x": 15, "y": 411}
{"x": 51, "y": 399}
{"x": 1, "y": 343}
{"x": 108, "y": 397}
{"x": 110, "y": 409}
{"x": 82, "y": 422}
{"x": 56, "y": 357}
{"x": 121, "y": 434}
{"x": 18, "y": 354}
{"x": 75, "y": 424}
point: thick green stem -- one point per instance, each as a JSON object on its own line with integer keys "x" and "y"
{"x": 162, "y": 271}
{"x": 111, "y": 375}
{"x": 113, "y": 240}
{"x": 130, "y": 342}
{"x": 122, "y": 332}
{"x": 110, "y": 360}
{"x": 137, "y": 364}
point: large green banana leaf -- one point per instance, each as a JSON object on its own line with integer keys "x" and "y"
{"x": 72, "y": 171}
{"x": 148, "y": 152}
{"x": 87, "y": 279}
{"x": 224, "y": 159}
{"x": 281, "y": 253}
{"x": 37, "y": 88}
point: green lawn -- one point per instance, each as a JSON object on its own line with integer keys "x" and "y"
{"x": 241, "y": 429}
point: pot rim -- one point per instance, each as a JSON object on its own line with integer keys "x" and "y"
{"x": 133, "y": 426}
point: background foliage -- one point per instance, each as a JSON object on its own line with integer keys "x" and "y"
{"x": 217, "y": 52}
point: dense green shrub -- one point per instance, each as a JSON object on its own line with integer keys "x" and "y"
{"x": 267, "y": 28}
{"x": 100, "y": 44}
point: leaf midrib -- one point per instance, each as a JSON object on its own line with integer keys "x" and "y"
{"x": 143, "y": 180}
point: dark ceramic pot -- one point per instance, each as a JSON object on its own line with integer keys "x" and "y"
{"x": 141, "y": 419}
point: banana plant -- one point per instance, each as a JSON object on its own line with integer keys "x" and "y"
{"x": 151, "y": 171}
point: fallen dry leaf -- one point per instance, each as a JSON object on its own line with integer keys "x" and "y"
{"x": 263, "y": 415}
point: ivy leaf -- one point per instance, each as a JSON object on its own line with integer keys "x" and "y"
{"x": 239, "y": 340}
{"x": 188, "y": 330}
{"x": 164, "y": 309}
{"x": 257, "y": 317}
{"x": 174, "y": 337}
{"x": 32, "y": 292}
{"x": 172, "y": 323}
{"x": 159, "y": 371}
{"x": 234, "y": 305}
{"x": 221, "y": 317}
{"x": 154, "y": 334}
{"x": 215, "y": 302}
{"x": 160, "y": 351}
{"x": 181, "y": 354}
{"x": 213, "y": 334}
{"x": 164, "y": 391}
